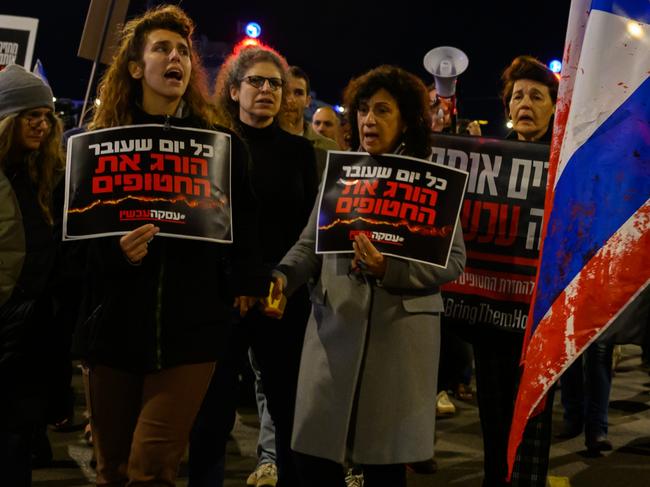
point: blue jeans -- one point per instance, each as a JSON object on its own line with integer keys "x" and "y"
{"x": 266, "y": 439}
{"x": 585, "y": 390}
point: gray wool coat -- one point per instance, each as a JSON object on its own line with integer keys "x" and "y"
{"x": 369, "y": 367}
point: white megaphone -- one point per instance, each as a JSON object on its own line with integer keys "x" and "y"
{"x": 446, "y": 63}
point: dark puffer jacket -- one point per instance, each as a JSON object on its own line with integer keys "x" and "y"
{"x": 176, "y": 306}
{"x": 31, "y": 353}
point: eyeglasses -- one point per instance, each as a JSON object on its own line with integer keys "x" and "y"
{"x": 258, "y": 82}
{"x": 35, "y": 118}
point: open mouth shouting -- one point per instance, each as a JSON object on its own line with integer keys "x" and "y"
{"x": 370, "y": 136}
{"x": 174, "y": 74}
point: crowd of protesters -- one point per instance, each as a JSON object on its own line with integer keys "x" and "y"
{"x": 347, "y": 375}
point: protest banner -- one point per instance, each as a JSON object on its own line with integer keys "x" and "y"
{"x": 407, "y": 207}
{"x": 176, "y": 178}
{"x": 502, "y": 220}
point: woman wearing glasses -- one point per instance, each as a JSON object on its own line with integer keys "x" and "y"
{"x": 249, "y": 93}
{"x": 31, "y": 164}
{"x": 367, "y": 386}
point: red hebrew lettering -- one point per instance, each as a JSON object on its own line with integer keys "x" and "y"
{"x": 433, "y": 196}
{"x": 102, "y": 161}
{"x": 147, "y": 182}
{"x": 502, "y": 239}
{"x": 390, "y": 208}
{"x": 493, "y": 209}
{"x": 177, "y": 162}
{"x": 428, "y": 214}
{"x": 159, "y": 162}
{"x": 198, "y": 163}
{"x": 183, "y": 181}
{"x": 391, "y": 192}
{"x": 129, "y": 163}
{"x": 202, "y": 187}
{"x": 132, "y": 182}
{"x": 102, "y": 184}
{"x": 411, "y": 209}
{"x": 162, "y": 182}
{"x": 368, "y": 187}
{"x": 343, "y": 205}
{"x": 366, "y": 205}
{"x": 470, "y": 228}
{"x": 408, "y": 190}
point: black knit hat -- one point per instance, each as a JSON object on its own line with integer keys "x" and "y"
{"x": 20, "y": 90}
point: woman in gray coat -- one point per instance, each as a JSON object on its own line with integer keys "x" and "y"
{"x": 367, "y": 386}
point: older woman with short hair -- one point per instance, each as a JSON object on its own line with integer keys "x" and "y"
{"x": 367, "y": 386}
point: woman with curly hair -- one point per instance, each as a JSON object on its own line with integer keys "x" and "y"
{"x": 159, "y": 310}
{"x": 31, "y": 165}
{"x": 249, "y": 92}
{"x": 370, "y": 356}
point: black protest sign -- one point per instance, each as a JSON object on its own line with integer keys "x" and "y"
{"x": 17, "y": 38}
{"x": 407, "y": 207}
{"x": 176, "y": 178}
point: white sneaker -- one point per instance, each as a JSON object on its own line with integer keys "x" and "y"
{"x": 352, "y": 480}
{"x": 265, "y": 475}
{"x": 252, "y": 479}
{"x": 444, "y": 406}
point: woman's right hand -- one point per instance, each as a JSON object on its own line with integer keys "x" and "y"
{"x": 275, "y": 302}
{"x": 135, "y": 243}
{"x": 278, "y": 288}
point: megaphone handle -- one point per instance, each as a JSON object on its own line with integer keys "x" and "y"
{"x": 453, "y": 114}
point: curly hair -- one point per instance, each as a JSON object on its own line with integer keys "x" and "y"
{"x": 44, "y": 166}
{"x": 412, "y": 99}
{"x": 527, "y": 67}
{"x": 231, "y": 73}
{"x": 119, "y": 91}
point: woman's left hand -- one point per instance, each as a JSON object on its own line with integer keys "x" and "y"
{"x": 244, "y": 303}
{"x": 373, "y": 261}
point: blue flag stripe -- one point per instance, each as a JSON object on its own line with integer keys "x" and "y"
{"x": 604, "y": 183}
{"x": 631, "y": 9}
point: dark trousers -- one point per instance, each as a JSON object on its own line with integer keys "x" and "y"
{"x": 585, "y": 390}
{"x": 497, "y": 357}
{"x": 16, "y": 456}
{"x": 455, "y": 359}
{"x": 141, "y": 422}
{"x": 277, "y": 345}
{"x": 321, "y": 472}
{"x": 216, "y": 418}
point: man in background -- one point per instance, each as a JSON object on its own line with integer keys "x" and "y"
{"x": 292, "y": 115}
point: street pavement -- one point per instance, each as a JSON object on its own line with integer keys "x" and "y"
{"x": 458, "y": 445}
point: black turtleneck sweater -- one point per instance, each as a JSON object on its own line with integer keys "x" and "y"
{"x": 284, "y": 179}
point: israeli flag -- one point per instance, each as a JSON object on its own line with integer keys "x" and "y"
{"x": 595, "y": 260}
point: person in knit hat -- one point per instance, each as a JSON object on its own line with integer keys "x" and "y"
{"x": 31, "y": 164}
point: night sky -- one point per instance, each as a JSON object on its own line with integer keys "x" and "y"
{"x": 334, "y": 40}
